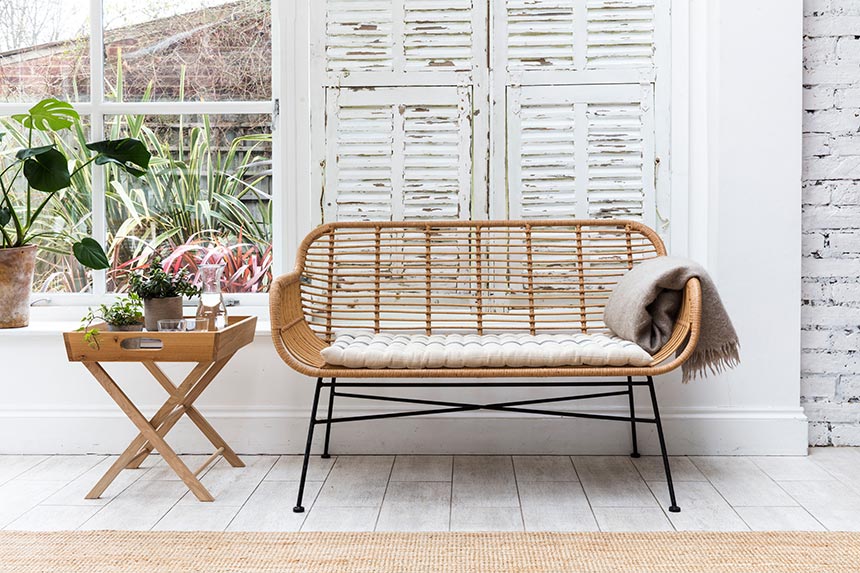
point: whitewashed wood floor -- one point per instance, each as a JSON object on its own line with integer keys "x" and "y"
{"x": 433, "y": 493}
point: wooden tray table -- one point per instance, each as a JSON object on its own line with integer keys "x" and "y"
{"x": 209, "y": 350}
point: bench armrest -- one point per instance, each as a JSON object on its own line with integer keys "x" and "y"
{"x": 685, "y": 335}
{"x": 295, "y": 342}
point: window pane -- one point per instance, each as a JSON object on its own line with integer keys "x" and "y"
{"x": 206, "y": 198}
{"x": 44, "y": 50}
{"x": 69, "y": 211}
{"x": 192, "y": 50}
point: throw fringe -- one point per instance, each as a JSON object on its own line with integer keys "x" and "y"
{"x": 713, "y": 360}
{"x": 644, "y": 305}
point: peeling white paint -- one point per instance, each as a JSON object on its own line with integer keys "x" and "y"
{"x": 398, "y": 153}
{"x": 421, "y": 97}
{"x": 580, "y": 151}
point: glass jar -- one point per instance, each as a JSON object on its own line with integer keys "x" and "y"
{"x": 212, "y": 309}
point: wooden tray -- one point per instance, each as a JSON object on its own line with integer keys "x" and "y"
{"x": 169, "y": 346}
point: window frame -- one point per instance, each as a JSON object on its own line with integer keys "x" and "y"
{"x": 296, "y": 208}
{"x": 97, "y": 108}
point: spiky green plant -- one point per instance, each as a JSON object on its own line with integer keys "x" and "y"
{"x": 196, "y": 185}
{"x": 200, "y": 182}
{"x": 193, "y": 190}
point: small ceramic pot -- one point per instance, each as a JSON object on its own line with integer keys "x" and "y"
{"x": 16, "y": 282}
{"x": 125, "y": 328}
{"x": 155, "y": 309}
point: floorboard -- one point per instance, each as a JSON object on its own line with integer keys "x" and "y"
{"x": 440, "y": 493}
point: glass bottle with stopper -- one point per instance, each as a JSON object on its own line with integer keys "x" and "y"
{"x": 212, "y": 310}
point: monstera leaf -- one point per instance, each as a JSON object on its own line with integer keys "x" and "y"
{"x": 29, "y": 152}
{"x": 90, "y": 254}
{"x": 48, "y": 115}
{"x": 47, "y": 170}
{"x": 130, "y": 154}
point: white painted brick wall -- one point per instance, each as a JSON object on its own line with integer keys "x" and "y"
{"x": 830, "y": 385}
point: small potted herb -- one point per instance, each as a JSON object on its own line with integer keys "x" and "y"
{"x": 124, "y": 315}
{"x": 161, "y": 292}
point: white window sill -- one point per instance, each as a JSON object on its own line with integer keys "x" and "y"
{"x": 51, "y": 321}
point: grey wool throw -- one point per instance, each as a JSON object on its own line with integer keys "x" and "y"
{"x": 645, "y": 303}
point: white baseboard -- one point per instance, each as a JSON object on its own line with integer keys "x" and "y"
{"x": 259, "y": 430}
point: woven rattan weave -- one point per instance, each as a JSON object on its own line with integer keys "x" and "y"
{"x": 464, "y": 276}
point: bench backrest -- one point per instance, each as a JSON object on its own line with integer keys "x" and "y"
{"x": 467, "y": 276}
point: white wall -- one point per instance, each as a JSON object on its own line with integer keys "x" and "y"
{"x": 750, "y": 212}
{"x": 743, "y": 199}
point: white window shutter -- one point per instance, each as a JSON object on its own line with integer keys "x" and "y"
{"x": 620, "y": 34}
{"x": 558, "y": 35}
{"x": 437, "y": 162}
{"x": 540, "y": 34}
{"x": 359, "y": 35}
{"x": 621, "y": 158}
{"x": 398, "y": 35}
{"x": 581, "y": 152}
{"x": 398, "y": 153}
{"x": 542, "y": 151}
{"x": 360, "y": 145}
{"x": 430, "y": 114}
{"x": 437, "y": 35}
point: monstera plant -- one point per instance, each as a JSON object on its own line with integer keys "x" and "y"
{"x": 29, "y": 181}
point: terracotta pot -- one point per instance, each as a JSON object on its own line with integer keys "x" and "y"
{"x": 155, "y": 309}
{"x": 16, "y": 282}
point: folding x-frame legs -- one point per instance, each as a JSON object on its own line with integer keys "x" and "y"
{"x": 520, "y": 406}
{"x": 153, "y": 431}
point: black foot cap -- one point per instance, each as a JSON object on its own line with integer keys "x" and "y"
{"x": 298, "y": 509}
{"x": 635, "y": 455}
{"x": 325, "y": 456}
{"x": 674, "y": 509}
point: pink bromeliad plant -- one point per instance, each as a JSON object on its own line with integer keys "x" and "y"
{"x": 247, "y": 268}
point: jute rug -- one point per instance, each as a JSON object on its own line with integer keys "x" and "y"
{"x": 135, "y": 552}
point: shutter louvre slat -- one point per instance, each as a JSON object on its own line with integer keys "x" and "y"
{"x": 579, "y": 151}
{"x": 542, "y": 34}
{"x": 399, "y": 153}
{"x": 414, "y": 35}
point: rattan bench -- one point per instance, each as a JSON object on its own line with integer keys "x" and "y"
{"x": 468, "y": 277}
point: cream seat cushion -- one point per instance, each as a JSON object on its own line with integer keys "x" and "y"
{"x": 362, "y": 349}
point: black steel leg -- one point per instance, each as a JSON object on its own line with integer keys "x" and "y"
{"x": 673, "y": 507}
{"x": 635, "y": 453}
{"x": 325, "y": 454}
{"x": 299, "y": 508}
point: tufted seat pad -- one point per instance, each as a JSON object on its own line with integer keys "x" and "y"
{"x": 362, "y": 349}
